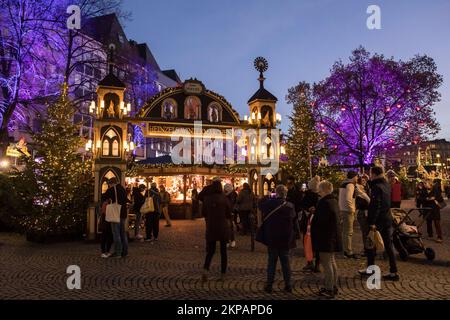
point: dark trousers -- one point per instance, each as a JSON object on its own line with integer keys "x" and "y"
{"x": 211, "y": 249}
{"x": 244, "y": 216}
{"x": 386, "y": 234}
{"x": 437, "y": 226}
{"x": 272, "y": 260}
{"x": 152, "y": 225}
{"x": 107, "y": 237}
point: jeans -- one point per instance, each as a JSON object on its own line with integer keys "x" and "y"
{"x": 152, "y": 225}
{"x": 120, "y": 238}
{"x": 386, "y": 234}
{"x": 107, "y": 237}
{"x": 363, "y": 224}
{"x": 330, "y": 269}
{"x": 348, "y": 219}
{"x": 273, "y": 256}
{"x": 211, "y": 249}
{"x": 437, "y": 226}
{"x": 165, "y": 211}
{"x": 137, "y": 223}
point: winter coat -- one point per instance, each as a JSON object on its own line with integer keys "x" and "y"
{"x": 217, "y": 211}
{"x": 122, "y": 199}
{"x": 279, "y": 227}
{"x": 310, "y": 199}
{"x": 347, "y": 196}
{"x": 325, "y": 226}
{"x": 396, "y": 192}
{"x": 138, "y": 200}
{"x": 232, "y": 198}
{"x": 245, "y": 200}
{"x": 295, "y": 196}
{"x": 380, "y": 203}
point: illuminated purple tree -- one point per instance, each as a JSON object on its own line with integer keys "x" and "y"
{"x": 374, "y": 103}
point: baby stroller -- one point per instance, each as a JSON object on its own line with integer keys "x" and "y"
{"x": 407, "y": 238}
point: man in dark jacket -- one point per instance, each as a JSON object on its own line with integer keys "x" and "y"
{"x": 379, "y": 218}
{"x": 152, "y": 218}
{"x": 278, "y": 230}
{"x": 294, "y": 195}
{"x": 138, "y": 202}
{"x": 326, "y": 236}
{"x": 118, "y": 229}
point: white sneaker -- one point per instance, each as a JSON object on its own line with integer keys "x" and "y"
{"x": 233, "y": 244}
{"x": 104, "y": 255}
{"x": 139, "y": 237}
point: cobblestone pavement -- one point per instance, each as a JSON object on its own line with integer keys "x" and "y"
{"x": 171, "y": 269}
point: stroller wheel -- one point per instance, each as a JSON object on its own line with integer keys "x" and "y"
{"x": 430, "y": 254}
{"x": 403, "y": 255}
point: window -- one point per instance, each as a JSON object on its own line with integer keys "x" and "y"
{"x": 115, "y": 148}
{"x": 111, "y": 144}
{"x": 105, "y": 147}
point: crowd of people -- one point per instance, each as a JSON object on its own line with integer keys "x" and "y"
{"x": 115, "y": 232}
{"x": 320, "y": 218}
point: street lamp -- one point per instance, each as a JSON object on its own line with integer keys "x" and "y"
{"x": 4, "y": 164}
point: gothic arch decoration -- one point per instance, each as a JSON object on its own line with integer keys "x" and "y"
{"x": 112, "y": 101}
{"x": 169, "y": 109}
{"x": 214, "y": 112}
{"x": 267, "y": 116}
{"x": 253, "y": 181}
{"x": 153, "y": 108}
{"x": 111, "y": 142}
{"x": 192, "y": 108}
{"x": 108, "y": 173}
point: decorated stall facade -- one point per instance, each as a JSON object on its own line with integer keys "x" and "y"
{"x": 207, "y": 136}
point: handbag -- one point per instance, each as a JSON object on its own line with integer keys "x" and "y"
{"x": 113, "y": 210}
{"x": 374, "y": 241}
{"x": 260, "y": 233}
{"x": 148, "y": 206}
{"x": 307, "y": 242}
{"x": 441, "y": 204}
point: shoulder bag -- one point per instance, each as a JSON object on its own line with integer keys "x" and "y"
{"x": 113, "y": 210}
{"x": 148, "y": 206}
{"x": 260, "y": 237}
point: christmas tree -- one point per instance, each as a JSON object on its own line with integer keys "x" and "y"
{"x": 62, "y": 177}
{"x": 304, "y": 147}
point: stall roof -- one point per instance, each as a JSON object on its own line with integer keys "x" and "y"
{"x": 157, "y": 160}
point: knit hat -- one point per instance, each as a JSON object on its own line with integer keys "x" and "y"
{"x": 228, "y": 188}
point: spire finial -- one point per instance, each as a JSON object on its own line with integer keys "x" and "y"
{"x": 261, "y": 65}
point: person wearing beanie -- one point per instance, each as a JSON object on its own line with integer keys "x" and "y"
{"x": 347, "y": 208}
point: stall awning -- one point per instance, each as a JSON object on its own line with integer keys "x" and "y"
{"x": 157, "y": 160}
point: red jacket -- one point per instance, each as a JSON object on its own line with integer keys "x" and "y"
{"x": 396, "y": 192}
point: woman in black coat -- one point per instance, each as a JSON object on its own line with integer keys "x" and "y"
{"x": 326, "y": 236}
{"x": 217, "y": 210}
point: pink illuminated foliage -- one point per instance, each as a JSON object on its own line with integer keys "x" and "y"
{"x": 374, "y": 103}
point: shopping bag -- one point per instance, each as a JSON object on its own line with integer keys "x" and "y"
{"x": 148, "y": 206}
{"x": 113, "y": 211}
{"x": 379, "y": 243}
{"x": 307, "y": 241}
{"x": 374, "y": 241}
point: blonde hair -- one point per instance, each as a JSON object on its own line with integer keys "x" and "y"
{"x": 326, "y": 187}
{"x": 313, "y": 184}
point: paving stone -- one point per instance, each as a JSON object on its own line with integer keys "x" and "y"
{"x": 171, "y": 269}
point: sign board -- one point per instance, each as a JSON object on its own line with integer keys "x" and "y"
{"x": 193, "y": 87}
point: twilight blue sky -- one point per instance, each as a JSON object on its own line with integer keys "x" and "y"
{"x": 216, "y": 41}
